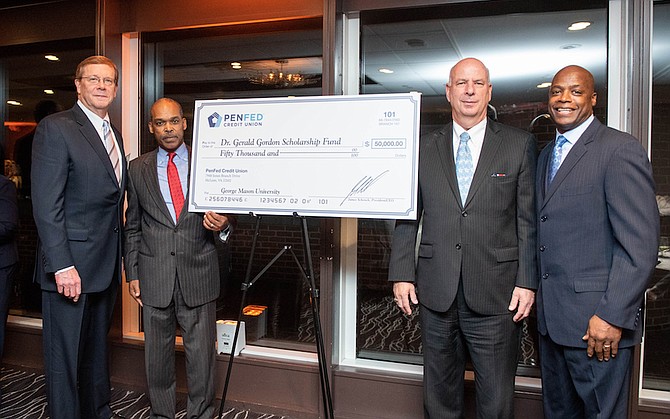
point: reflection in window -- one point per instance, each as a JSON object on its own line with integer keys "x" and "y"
{"x": 401, "y": 54}
{"x": 198, "y": 65}
{"x": 656, "y": 374}
{"x": 36, "y": 86}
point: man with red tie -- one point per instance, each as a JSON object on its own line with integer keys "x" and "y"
{"x": 172, "y": 267}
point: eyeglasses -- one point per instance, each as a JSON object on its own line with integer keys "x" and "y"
{"x": 96, "y": 80}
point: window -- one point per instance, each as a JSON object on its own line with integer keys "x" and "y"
{"x": 656, "y": 373}
{"x": 413, "y": 50}
{"x": 35, "y": 87}
{"x": 250, "y": 61}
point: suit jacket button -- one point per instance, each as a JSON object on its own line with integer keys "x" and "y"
{"x": 172, "y": 253}
{"x": 464, "y": 213}
{"x": 458, "y": 246}
{"x": 543, "y": 218}
{"x": 542, "y": 248}
{"x": 545, "y": 276}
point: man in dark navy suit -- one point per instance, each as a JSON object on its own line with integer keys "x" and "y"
{"x": 78, "y": 182}
{"x": 598, "y": 228}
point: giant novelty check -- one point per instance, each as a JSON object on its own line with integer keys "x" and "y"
{"x": 325, "y": 156}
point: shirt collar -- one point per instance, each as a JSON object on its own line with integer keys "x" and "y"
{"x": 92, "y": 116}
{"x": 181, "y": 153}
{"x": 574, "y": 134}
{"x": 475, "y": 132}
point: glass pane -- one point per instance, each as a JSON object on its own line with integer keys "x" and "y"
{"x": 252, "y": 65}
{"x": 414, "y": 51}
{"x": 36, "y": 87}
{"x": 656, "y": 375}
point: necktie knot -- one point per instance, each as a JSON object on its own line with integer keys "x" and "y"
{"x": 465, "y": 137}
{"x": 560, "y": 141}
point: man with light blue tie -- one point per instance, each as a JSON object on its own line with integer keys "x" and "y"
{"x": 172, "y": 267}
{"x": 598, "y": 228}
{"x": 475, "y": 265}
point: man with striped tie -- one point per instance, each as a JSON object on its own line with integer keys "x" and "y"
{"x": 78, "y": 183}
{"x": 172, "y": 267}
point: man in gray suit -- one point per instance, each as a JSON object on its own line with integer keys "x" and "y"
{"x": 172, "y": 267}
{"x": 598, "y": 240}
{"x": 475, "y": 266}
{"x": 78, "y": 183}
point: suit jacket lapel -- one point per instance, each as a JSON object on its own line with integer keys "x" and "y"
{"x": 490, "y": 148}
{"x": 91, "y": 134}
{"x": 576, "y": 153}
{"x": 150, "y": 174}
{"x": 445, "y": 150}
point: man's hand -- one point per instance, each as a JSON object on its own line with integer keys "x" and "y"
{"x": 404, "y": 294}
{"x": 522, "y": 301}
{"x": 68, "y": 283}
{"x": 215, "y": 222}
{"x": 134, "y": 289}
{"x": 603, "y": 339}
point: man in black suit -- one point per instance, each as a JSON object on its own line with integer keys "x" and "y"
{"x": 598, "y": 234}
{"x": 78, "y": 182}
{"x": 474, "y": 266}
{"x": 172, "y": 267}
{"x": 9, "y": 256}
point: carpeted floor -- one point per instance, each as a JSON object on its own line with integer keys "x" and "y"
{"x": 23, "y": 398}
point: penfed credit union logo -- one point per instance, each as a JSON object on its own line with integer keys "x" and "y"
{"x": 235, "y": 120}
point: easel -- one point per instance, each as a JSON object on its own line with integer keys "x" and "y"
{"x": 314, "y": 295}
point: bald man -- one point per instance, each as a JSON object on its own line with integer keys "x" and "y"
{"x": 598, "y": 240}
{"x": 475, "y": 270}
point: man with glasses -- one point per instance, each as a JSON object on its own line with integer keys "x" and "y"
{"x": 78, "y": 182}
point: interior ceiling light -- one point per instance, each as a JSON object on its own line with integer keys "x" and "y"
{"x": 14, "y": 102}
{"x": 544, "y": 85}
{"x": 415, "y": 43}
{"x": 578, "y": 26}
{"x": 236, "y": 65}
{"x": 51, "y": 57}
{"x": 386, "y": 70}
{"x": 571, "y": 46}
{"x": 48, "y": 91}
{"x": 278, "y": 79}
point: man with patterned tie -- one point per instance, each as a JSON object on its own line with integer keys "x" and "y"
{"x": 172, "y": 267}
{"x": 598, "y": 240}
{"x": 78, "y": 183}
{"x": 475, "y": 266}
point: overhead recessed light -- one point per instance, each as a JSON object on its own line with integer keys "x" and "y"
{"x": 386, "y": 70}
{"x": 571, "y": 46}
{"x": 48, "y": 91}
{"x": 236, "y": 65}
{"x": 415, "y": 43}
{"x": 51, "y": 57}
{"x": 578, "y": 26}
{"x": 14, "y": 102}
{"x": 544, "y": 85}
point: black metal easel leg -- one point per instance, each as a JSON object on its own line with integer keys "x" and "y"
{"x": 314, "y": 303}
{"x": 245, "y": 287}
